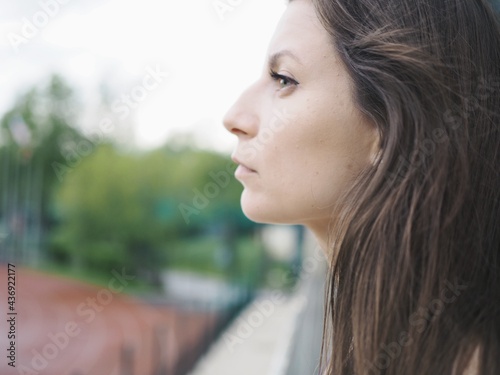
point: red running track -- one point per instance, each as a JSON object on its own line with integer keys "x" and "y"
{"x": 64, "y": 327}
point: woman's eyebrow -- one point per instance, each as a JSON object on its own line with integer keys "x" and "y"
{"x": 275, "y": 57}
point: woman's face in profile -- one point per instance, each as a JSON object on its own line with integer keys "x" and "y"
{"x": 301, "y": 141}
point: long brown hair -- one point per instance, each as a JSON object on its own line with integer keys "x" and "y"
{"x": 414, "y": 281}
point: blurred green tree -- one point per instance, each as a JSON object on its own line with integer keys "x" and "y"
{"x": 101, "y": 207}
{"x": 36, "y": 131}
{"x": 33, "y": 134}
{"x": 122, "y": 209}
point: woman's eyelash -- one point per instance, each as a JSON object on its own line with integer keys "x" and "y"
{"x": 282, "y": 78}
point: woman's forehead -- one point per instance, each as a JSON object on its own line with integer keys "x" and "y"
{"x": 299, "y": 31}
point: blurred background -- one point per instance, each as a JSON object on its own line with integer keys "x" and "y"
{"x": 119, "y": 210}
{"x": 118, "y": 204}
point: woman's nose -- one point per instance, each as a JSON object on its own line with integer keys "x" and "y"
{"x": 242, "y": 118}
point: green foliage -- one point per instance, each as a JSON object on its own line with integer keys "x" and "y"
{"x": 101, "y": 208}
{"x": 97, "y": 278}
{"x": 120, "y": 208}
{"x": 33, "y": 134}
{"x": 211, "y": 255}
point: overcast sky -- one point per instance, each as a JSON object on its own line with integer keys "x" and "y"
{"x": 203, "y": 53}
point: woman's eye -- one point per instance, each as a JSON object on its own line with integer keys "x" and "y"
{"x": 283, "y": 80}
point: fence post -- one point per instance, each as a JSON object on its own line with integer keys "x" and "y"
{"x": 160, "y": 346}
{"x": 127, "y": 360}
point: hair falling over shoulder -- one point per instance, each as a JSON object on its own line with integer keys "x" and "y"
{"x": 414, "y": 283}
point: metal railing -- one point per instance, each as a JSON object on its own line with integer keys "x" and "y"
{"x": 306, "y": 343}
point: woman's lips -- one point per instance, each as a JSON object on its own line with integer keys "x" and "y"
{"x": 243, "y": 171}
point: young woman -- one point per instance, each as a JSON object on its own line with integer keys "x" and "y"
{"x": 375, "y": 123}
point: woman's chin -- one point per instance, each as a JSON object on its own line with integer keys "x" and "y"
{"x": 258, "y": 210}
{"x": 264, "y": 211}
{"x": 257, "y": 215}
